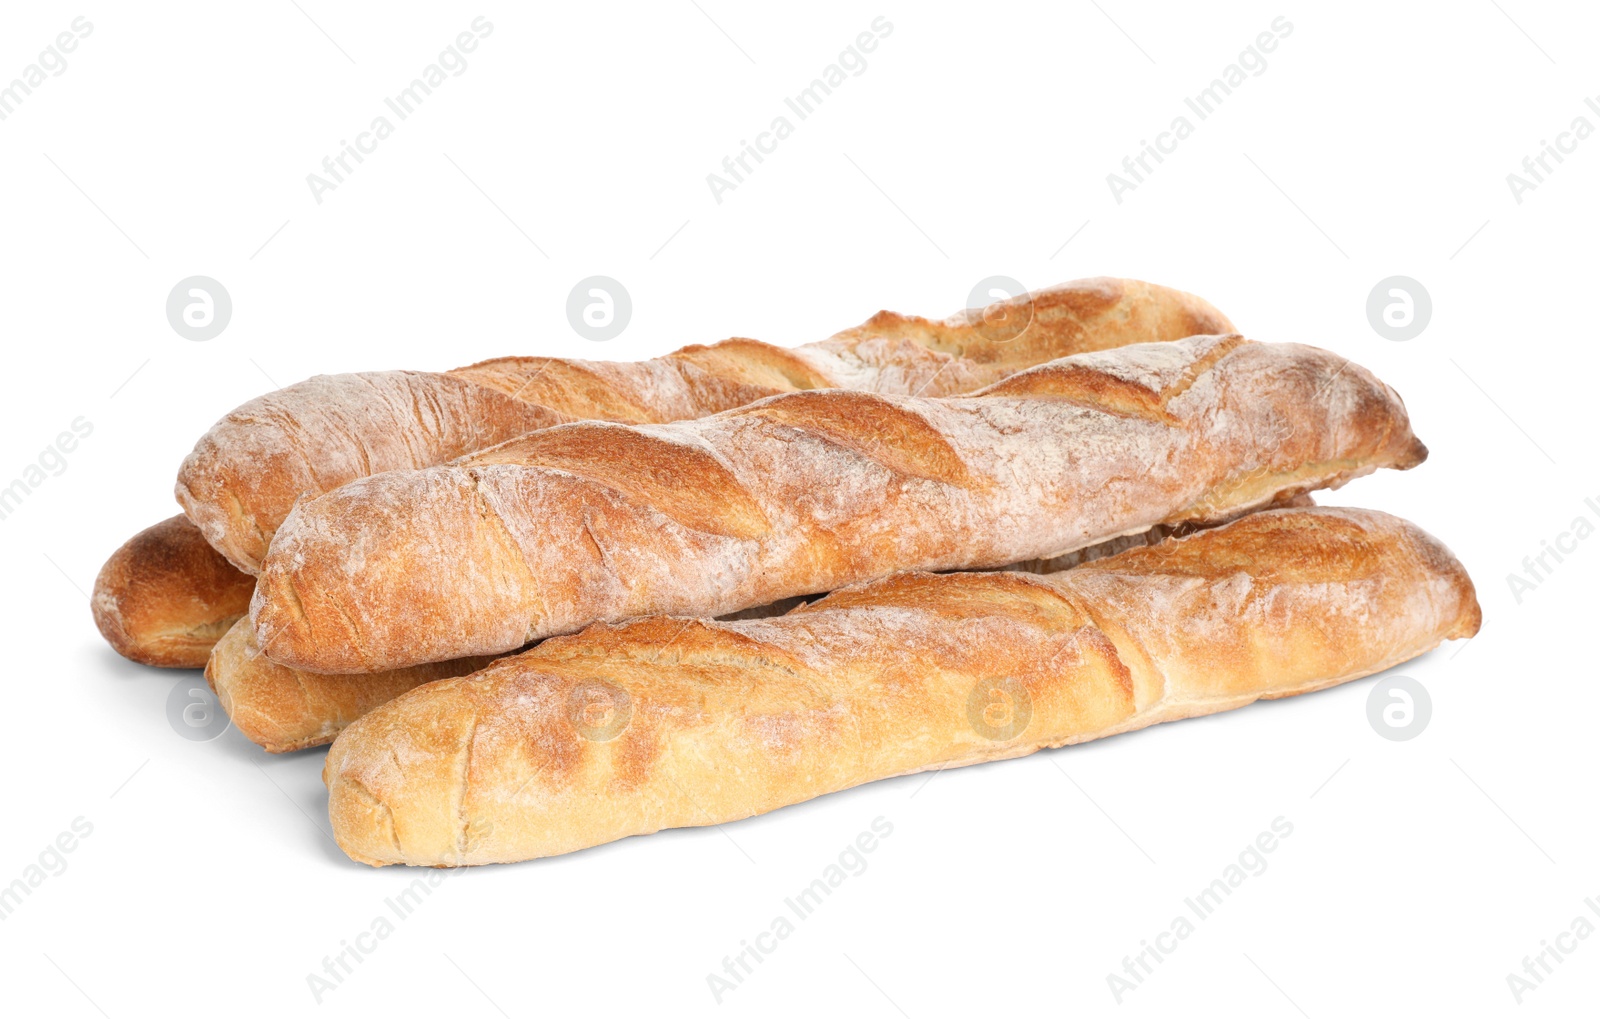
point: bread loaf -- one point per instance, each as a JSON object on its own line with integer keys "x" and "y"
{"x": 628, "y": 729}
{"x": 165, "y": 596}
{"x": 809, "y": 492}
{"x": 247, "y": 471}
{"x": 282, "y": 709}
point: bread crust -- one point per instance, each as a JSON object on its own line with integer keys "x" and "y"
{"x": 165, "y": 596}
{"x": 810, "y": 491}
{"x": 626, "y": 729}
{"x": 246, "y": 473}
{"x": 282, "y": 709}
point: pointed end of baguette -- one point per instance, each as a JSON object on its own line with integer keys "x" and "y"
{"x": 1414, "y": 453}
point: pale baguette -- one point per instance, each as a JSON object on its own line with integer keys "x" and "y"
{"x": 246, "y": 472}
{"x": 166, "y": 596}
{"x": 283, "y": 709}
{"x": 628, "y": 729}
{"x": 806, "y": 492}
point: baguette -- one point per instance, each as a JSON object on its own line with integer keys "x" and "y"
{"x": 246, "y": 472}
{"x": 809, "y": 492}
{"x": 282, "y": 709}
{"x": 628, "y": 729}
{"x": 165, "y": 596}
{"x": 251, "y": 466}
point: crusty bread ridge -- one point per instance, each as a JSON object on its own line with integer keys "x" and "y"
{"x": 626, "y": 729}
{"x": 165, "y": 596}
{"x": 247, "y": 471}
{"x": 809, "y": 492}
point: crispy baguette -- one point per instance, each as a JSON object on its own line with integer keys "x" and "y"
{"x": 592, "y": 522}
{"x": 282, "y": 709}
{"x": 626, "y": 729}
{"x": 246, "y": 472}
{"x": 165, "y": 596}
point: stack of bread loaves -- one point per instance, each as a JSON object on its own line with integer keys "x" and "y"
{"x": 1132, "y": 475}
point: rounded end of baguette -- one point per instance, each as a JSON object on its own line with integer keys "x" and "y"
{"x": 245, "y": 475}
{"x": 1300, "y": 599}
{"x": 215, "y": 494}
{"x": 395, "y": 570}
{"x": 362, "y": 825}
{"x": 1471, "y": 618}
{"x": 1071, "y": 318}
{"x": 165, "y": 597}
{"x": 1177, "y": 313}
{"x": 264, "y": 700}
{"x": 1458, "y": 596}
{"x": 282, "y": 709}
{"x": 397, "y": 779}
{"x": 1452, "y": 595}
{"x": 1105, "y": 312}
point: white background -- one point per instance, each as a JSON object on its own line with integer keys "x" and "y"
{"x": 977, "y": 142}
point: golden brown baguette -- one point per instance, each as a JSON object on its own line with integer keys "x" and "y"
{"x": 165, "y": 596}
{"x": 282, "y": 709}
{"x": 809, "y": 492}
{"x": 316, "y": 434}
{"x": 247, "y": 471}
{"x": 628, "y": 729}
